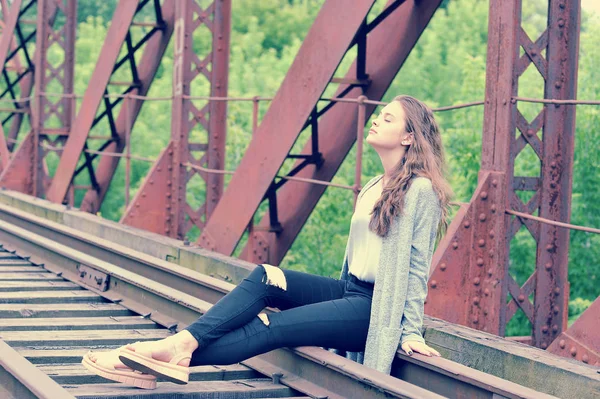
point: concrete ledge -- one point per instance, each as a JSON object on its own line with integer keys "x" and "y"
{"x": 198, "y": 259}
{"x": 522, "y": 364}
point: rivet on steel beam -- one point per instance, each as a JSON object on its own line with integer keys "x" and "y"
{"x": 276, "y": 377}
{"x": 475, "y": 320}
{"x": 260, "y": 257}
{"x": 476, "y": 300}
{"x": 158, "y": 169}
{"x": 479, "y": 262}
{"x": 585, "y": 358}
{"x": 169, "y": 182}
{"x": 486, "y": 292}
{"x": 545, "y": 329}
{"x": 490, "y": 272}
{"x": 476, "y": 281}
{"x": 555, "y": 328}
{"x": 557, "y": 291}
{"x": 549, "y": 247}
{"x": 485, "y": 312}
{"x": 491, "y": 253}
{"x": 573, "y": 351}
{"x": 553, "y": 164}
{"x": 433, "y": 283}
{"x": 443, "y": 266}
{"x": 467, "y": 224}
{"x": 555, "y": 309}
{"x": 483, "y": 195}
{"x": 493, "y": 208}
{"x": 482, "y": 217}
{"x": 492, "y": 234}
{"x": 530, "y": 132}
{"x": 481, "y": 243}
{"x": 137, "y": 205}
{"x": 521, "y": 298}
{"x": 544, "y": 345}
{"x": 495, "y": 183}
{"x": 548, "y": 265}
{"x": 552, "y": 185}
{"x": 533, "y": 52}
{"x": 561, "y": 23}
{"x": 562, "y": 344}
{"x": 143, "y": 195}
{"x": 558, "y": 84}
{"x": 561, "y": 5}
{"x": 454, "y": 244}
{"x": 151, "y": 181}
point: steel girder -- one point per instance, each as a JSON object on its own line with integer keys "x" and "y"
{"x": 326, "y": 43}
{"x": 387, "y": 47}
{"x": 471, "y": 265}
{"x": 581, "y": 341}
{"x": 9, "y": 61}
{"x": 160, "y": 205}
{"x": 120, "y": 32}
{"x": 26, "y": 171}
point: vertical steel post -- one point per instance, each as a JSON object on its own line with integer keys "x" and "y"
{"x": 551, "y": 288}
{"x": 161, "y": 205}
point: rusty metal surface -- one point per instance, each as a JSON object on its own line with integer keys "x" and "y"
{"x": 338, "y": 126}
{"x": 27, "y": 171}
{"x": 11, "y": 19}
{"x": 149, "y": 63}
{"x": 163, "y": 194}
{"x": 581, "y": 341}
{"x": 488, "y": 310}
{"x": 115, "y": 37}
{"x": 552, "y": 263}
{"x": 307, "y": 78}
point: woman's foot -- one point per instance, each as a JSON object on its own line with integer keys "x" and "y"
{"x": 168, "y": 358}
{"x": 182, "y": 344}
{"x": 108, "y": 365}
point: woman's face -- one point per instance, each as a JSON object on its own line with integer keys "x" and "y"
{"x": 388, "y": 129}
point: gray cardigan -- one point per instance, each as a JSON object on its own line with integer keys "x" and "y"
{"x": 401, "y": 279}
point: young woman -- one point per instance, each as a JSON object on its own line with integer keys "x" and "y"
{"x": 374, "y": 307}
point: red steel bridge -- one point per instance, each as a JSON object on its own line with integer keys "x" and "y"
{"x": 469, "y": 283}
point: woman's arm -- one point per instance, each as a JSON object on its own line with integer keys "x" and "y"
{"x": 426, "y": 222}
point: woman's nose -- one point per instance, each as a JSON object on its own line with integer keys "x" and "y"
{"x": 374, "y": 123}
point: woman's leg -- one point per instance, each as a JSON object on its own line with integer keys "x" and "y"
{"x": 266, "y": 286}
{"x": 341, "y": 324}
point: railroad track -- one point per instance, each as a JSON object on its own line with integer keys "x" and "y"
{"x": 64, "y": 295}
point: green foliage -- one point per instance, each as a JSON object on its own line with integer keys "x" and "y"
{"x": 446, "y": 67}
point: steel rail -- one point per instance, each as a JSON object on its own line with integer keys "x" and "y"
{"x": 165, "y": 303}
{"x": 19, "y": 379}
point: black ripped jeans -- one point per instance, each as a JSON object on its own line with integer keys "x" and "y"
{"x": 315, "y": 311}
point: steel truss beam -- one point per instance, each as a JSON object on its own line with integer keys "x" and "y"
{"x": 10, "y": 61}
{"x": 310, "y": 74}
{"x": 161, "y": 204}
{"x": 119, "y": 33}
{"x": 26, "y": 171}
{"x": 471, "y": 265}
{"x": 387, "y": 46}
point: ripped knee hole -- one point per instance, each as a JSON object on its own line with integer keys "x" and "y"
{"x": 263, "y": 317}
{"x": 274, "y": 276}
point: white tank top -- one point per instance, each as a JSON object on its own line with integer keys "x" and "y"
{"x": 364, "y": 245}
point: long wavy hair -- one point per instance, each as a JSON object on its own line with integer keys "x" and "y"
{"x": 424, "y": 158}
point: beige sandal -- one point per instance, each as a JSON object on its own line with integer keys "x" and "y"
{"x": 124, "y": 375}
{"x": 171, "y": 371}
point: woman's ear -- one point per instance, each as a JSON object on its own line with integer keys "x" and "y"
{"x": 407, "y": 139}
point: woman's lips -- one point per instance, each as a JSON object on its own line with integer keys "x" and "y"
{"x": 372, "y": 131}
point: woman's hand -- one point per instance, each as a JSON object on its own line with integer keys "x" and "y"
{"x": 410, "y": 346}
